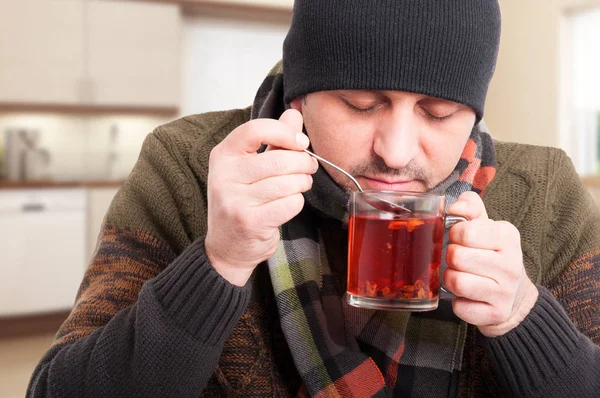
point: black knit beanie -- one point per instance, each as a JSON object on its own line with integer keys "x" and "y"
{"x": 441, "y": 48}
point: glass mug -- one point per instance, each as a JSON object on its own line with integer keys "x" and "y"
{"x": 394, "y": 258}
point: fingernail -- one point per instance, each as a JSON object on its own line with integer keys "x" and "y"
{"x": 316, "y": 163}
{"x": 302, "y": 139}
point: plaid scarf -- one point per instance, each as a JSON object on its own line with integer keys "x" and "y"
{"x": 345, "y": 351}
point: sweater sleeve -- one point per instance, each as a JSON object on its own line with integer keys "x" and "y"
{"x": 546, "y": 356}
{"x": 555, "y": 351}
{"x": 149, "y": 319}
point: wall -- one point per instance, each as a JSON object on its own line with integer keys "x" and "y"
{"x": 227, "y": 56}
{"x": 525, "y": 95}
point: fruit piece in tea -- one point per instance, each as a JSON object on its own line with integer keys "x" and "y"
{"x": 371, "y": 289}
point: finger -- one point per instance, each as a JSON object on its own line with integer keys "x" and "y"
{"x": 478, "y": 313}
{"x": 468, "y": 205}
{"x": 274, "y": 163}
{"x": 472, "y": 287}
{"x": 485, "y": 234}
{"x": 504, "y": 269}
{"x": 273, "y": 188}
{"x": 250, "y": 136}
{"x": 278, "y": 212}
{"x": 482, "y": 262}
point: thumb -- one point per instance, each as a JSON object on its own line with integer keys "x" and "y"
{"x": 468, "y": 205}
{"x": 293, "y": 119}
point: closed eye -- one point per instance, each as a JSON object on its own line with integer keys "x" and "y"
{"x": 360, "y": 108}
{"x": 436, "y": 118}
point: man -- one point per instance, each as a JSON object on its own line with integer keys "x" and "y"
{"x": 221, "y": 265}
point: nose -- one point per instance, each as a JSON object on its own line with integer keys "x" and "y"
{"x": 396, "y": 140}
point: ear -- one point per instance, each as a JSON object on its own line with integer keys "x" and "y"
{"x": 296, "y": 103}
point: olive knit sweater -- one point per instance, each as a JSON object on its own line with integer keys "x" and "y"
{"x": 152, "y": 317}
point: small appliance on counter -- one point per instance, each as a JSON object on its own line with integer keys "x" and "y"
{"x": 23, "y": 158}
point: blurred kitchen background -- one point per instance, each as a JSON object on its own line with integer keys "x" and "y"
{"x": 82, "y": 82}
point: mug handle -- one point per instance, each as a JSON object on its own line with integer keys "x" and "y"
{"x": 449, "y": 221}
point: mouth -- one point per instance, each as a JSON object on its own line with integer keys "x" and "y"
{"x": 389, "y": 184}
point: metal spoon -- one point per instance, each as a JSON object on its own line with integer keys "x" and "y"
{"x": 378, "y": 203}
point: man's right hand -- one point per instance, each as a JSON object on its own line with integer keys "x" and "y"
{"x": 250, "y": 195}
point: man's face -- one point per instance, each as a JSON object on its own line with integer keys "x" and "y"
{"x": 388, "y": 140}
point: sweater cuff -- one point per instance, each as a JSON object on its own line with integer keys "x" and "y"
{"x": 198, "y": 298}
{"x": 531, "y": 354}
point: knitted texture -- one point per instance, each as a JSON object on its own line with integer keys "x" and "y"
{"x": 535, "y": 359}
{"x": 114, "y": 279}
{"x": 126, "y": 338}
{"x": 98, "y": 340}
{"x": 445, "y": 49}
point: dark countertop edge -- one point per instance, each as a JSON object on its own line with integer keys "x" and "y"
{"x": 42, "y": 184}
{"x": 83, "y": 109}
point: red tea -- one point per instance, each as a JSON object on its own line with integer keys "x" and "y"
{"x": 397, "y": 258}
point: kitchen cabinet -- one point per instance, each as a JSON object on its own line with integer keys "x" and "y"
{"x": 90, "y": 53}
{"x": 99, "y": 200}
{"x": 42, "y": 235}
{"x": 41, "y": 51}
{"x": 133, "y": 53}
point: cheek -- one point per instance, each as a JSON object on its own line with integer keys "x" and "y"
{"x": 342, "y": 145}
{"x": 443, "y": 161}
{"x": 444, "y": 149}
{"x": 336, "y": 138}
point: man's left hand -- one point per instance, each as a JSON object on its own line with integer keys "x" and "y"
{"x": 485, "y": 270}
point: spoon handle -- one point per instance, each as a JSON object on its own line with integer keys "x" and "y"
{"x": 335, "y": 167}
